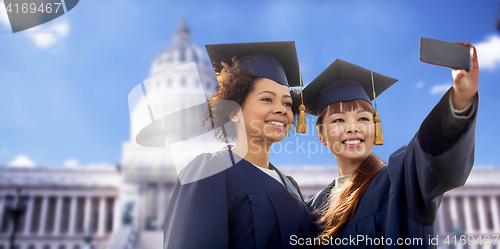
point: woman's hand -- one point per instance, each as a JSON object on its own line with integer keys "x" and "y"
{"x": 465, "y": 83}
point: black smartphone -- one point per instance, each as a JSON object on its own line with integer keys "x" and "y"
{"x": 447, "y": 54}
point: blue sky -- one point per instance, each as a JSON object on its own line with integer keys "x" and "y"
{"x": 63, "y": 95}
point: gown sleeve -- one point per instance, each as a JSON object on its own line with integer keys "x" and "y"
{"x": 438, "y": 158}
{"x": 197, "y": 215}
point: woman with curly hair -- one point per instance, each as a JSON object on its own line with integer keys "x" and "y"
{"x": 235, "y": 198}
{"x": 374, "y": 205}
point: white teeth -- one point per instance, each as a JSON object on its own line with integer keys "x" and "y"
{"x": 352, "y": 141}
{"x": 276, "y": 123}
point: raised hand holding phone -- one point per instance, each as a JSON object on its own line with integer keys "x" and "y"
{"x": 461, "y": 57}
{"x": 465, "y": 82}
{"x": 446, "y": 54}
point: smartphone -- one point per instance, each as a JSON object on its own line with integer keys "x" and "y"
{"x": 446, "y": 54}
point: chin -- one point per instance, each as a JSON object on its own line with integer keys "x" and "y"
{"x": 273, "y": 135}
{"x": 354, "y": 156}
{"x": 357, "y": 158}
{"x": 273, "y": 139}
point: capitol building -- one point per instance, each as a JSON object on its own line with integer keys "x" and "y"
{"x": 124, "y": 207}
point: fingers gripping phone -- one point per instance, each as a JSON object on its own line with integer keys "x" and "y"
{"x": 447, "y": 54}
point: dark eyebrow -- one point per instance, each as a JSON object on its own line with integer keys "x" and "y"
{"x": 274, "y": 94}
{"x": 359, "y": 111}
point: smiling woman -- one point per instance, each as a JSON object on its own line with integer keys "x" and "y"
{"x": 267, "y": 113}
{"x": 374, "y": 201}
{"x": 357, "y": 117}
{"x": 247, "y": 202}
{"x": 236, "y": 85}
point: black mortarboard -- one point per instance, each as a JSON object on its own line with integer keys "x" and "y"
{"x": 273, "y": 60}
{"x": 344, "y": 81}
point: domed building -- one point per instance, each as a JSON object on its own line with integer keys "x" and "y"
{"x": 180, "y": 77}
{"x": 180, "y": 52}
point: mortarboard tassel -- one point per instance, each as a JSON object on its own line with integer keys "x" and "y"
{"x": 379, "y": 137}
{"x": 301, "y": 124}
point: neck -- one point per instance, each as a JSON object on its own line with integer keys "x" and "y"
{"x": 255, "y": 152}
{"x": 347, "y": 166}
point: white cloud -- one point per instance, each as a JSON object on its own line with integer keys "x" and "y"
{"x": 488, "y": 52}
{"x": 21, "y": 161}
{"x": 62, "y": 28}
{"x": 420, "y": 84}
{"x": 70, "y": 163}
{"x": 440, "y": 89}
{"x": 3, "y": 15}
{"x": 55, "y": 31}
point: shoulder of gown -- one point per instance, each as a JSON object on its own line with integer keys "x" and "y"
{"x": 217, "y": 205}
{"x": 198, "y": 205}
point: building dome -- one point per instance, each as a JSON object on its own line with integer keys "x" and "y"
{"x": 180, "y": 52}
{"x": 174, "y": 84}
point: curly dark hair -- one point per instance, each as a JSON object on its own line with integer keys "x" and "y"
{"x": 235, "y": 84}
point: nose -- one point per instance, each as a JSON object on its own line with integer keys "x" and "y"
{"x": 279, "y": 109}
{"x": 351, "y": 128}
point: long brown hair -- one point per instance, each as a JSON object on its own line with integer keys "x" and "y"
{"x": 333, "y": 218}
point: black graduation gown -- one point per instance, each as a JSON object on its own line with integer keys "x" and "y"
{"x": 403, "y": 199}
{"x": 238, "y": 207}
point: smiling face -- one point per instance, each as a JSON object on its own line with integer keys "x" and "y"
{"x": 267, "y": 112}
{"x": 347, "y": 128}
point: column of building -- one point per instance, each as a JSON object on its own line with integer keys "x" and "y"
{"x": 494, "y": 214}
{"x": 87, "y": 215}
{"x": 43, "y": 215}
{"x": 455, "y": 223}
{"x": 72, "y": 215}
{"x": 101, "y": 216}
{"x": 469, "y": 226}
{"x": 143, "y": 202}
{"x": 481, "y": 210}
{"x": 29, "y": 216}
{"x": 161, "y": 207}
{"x": 58, "y": 215}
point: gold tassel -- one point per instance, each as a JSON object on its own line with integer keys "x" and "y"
{"x": 379, "y": 137}
{"x": 302, "y": 126}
